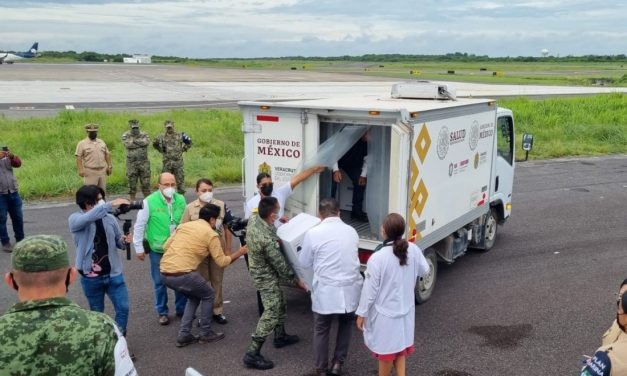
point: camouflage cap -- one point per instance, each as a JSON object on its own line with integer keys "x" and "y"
{"x": 168, "y": 123}
{"x": 133, "y": 123}
{"x": 91, "y": 127}
{"x": 40, "y": 253}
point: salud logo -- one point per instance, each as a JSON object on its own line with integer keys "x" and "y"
{"x": 443, "y": 142}
{"x": 474, "y": 135}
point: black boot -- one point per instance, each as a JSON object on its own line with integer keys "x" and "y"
{"x": 282, "y": 339}
{"x": 253, "y": 359}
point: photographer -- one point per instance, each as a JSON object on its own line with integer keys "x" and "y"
{"x": 97, "y": 237}
{"x": 10, "y": 200}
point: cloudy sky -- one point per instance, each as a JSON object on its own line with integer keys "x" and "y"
{"x": 272, "y": 28}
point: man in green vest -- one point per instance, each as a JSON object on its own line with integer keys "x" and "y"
{"x": 158, "y": 219}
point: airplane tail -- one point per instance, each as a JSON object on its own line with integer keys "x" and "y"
{"x": 34, "y": 48}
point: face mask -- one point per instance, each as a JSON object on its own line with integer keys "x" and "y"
{"x": 206, "y": 197}
{"x": 135, "y": 131}
{"x": 92, "y": 135}
{"x": 266, "y": 189}
{"x": 168, "y": 192}
{"x": 169, "y": 130}
{"x": 100, "y": 202}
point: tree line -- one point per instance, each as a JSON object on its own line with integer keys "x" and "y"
{"x": 90, "y": 56}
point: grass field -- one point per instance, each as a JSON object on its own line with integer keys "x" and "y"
{"x": 562, "y": 127}
{"x": 47, "y": 145}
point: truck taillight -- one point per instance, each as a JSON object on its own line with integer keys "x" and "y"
{"x": 364, "y": 255}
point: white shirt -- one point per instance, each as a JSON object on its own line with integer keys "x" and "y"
{"x": 282, "y": 194}
{"x": 330, "y": 248}
{"x": 140, "y": 227}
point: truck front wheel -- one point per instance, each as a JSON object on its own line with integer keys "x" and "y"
{"x": 426, "y": 285}
{"x": 490, "y": 229}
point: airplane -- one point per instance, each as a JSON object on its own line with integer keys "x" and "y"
{"x": 9, "y": 58}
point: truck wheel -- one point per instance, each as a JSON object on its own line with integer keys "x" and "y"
{"x": 425, "y": 285}
{"x": 490, "y": 229}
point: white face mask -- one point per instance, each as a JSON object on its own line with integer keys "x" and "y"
{"x": 168, "y": 192}
{"x": 100, "y": 202}
{"x": 206, "y": 197}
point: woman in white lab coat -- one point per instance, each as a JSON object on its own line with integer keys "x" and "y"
{"x": 386, "y": 312}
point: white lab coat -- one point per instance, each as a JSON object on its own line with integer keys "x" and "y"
{"x": 330, "y": 248}
{"x": 387, "y": 299}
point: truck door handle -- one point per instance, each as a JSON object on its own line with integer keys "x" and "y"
{"x": 496, "y": 184}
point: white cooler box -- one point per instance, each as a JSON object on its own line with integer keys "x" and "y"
{"x": 292, "y": 234}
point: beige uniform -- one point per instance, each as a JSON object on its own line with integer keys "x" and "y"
{"x": 208, "y": 268}
{"x": 613, "y": 334}
{"x": 611, "y": 358}
{"x": 92, "y": 154}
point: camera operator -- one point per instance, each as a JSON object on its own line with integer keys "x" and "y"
{"x": 97, "y": 237}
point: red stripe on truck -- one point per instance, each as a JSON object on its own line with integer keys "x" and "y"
{"x": 267, "y": 118}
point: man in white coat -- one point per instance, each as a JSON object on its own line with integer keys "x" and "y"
{"x": 331, "y": 249}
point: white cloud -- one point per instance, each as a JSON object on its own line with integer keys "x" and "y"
{"x": 250, "y": 28}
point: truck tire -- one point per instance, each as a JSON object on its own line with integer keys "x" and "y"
{"x": 490, "y": 230}
{"x": 425, "y": 285}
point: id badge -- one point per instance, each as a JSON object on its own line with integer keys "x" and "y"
{"x": 172, "y": 228}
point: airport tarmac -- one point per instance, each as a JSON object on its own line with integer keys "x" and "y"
{"x": 32, "y": 88}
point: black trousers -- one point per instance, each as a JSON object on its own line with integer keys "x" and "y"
{"x": 358, "y": 190}
{"x": 322, "y": 329}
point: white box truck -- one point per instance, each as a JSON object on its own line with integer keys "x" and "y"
{"x": 446, "y": 164}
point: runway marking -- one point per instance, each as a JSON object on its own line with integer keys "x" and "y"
{"x": 21, "y": 108}
{"x": 69, "y": 107}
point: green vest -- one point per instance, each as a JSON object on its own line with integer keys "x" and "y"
{"x": 160, "y": 218}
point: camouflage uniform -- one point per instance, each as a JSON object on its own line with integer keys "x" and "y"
{"x": 53, "y": 336}
{"x": 172, "y": 145}
{"x": 137, "y": 163}
{"x": 56, "y": 337}
{"x": 267, "y": 266}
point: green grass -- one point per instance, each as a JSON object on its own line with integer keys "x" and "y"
{"x": 562, "y": 127}
{"x": 575, "y": 126}
{"x": 47, "y": 145}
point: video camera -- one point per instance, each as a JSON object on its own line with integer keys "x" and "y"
{"x": 125, "y": 208}
{"x": 238, "y": 228}
{"x": 128, "y": 223}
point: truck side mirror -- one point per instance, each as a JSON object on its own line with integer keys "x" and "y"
{"x": 527, "y": 144}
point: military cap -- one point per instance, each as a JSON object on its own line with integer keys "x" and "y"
{"x": 134, "y": 123}
{"x": 91, "y": 127}
{"x": 168, "y": 123}
{"x": 40, "y": 253}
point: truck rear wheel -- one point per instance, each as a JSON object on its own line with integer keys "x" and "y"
{"x": 490, "y": 230}
{"x": 425, "y": 285}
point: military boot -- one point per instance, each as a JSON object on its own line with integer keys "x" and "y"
{"x": 282, "y": 339}
{"x": 253, "y": 359}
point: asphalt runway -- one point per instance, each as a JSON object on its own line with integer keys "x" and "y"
{"x": 541, "y": 298}
{"x": 534, "y": 304}
{"x": 35, "y": 89}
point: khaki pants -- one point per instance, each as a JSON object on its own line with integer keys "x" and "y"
{"x": 96, "y": 177}
{"x": 211, "y": 272}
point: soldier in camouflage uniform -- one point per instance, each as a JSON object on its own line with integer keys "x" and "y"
{"x": 267, "y": 266}
{"x": 172, "y": 145}
{"x": 45, "y": 333}
{"x": 137, "y": 163}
